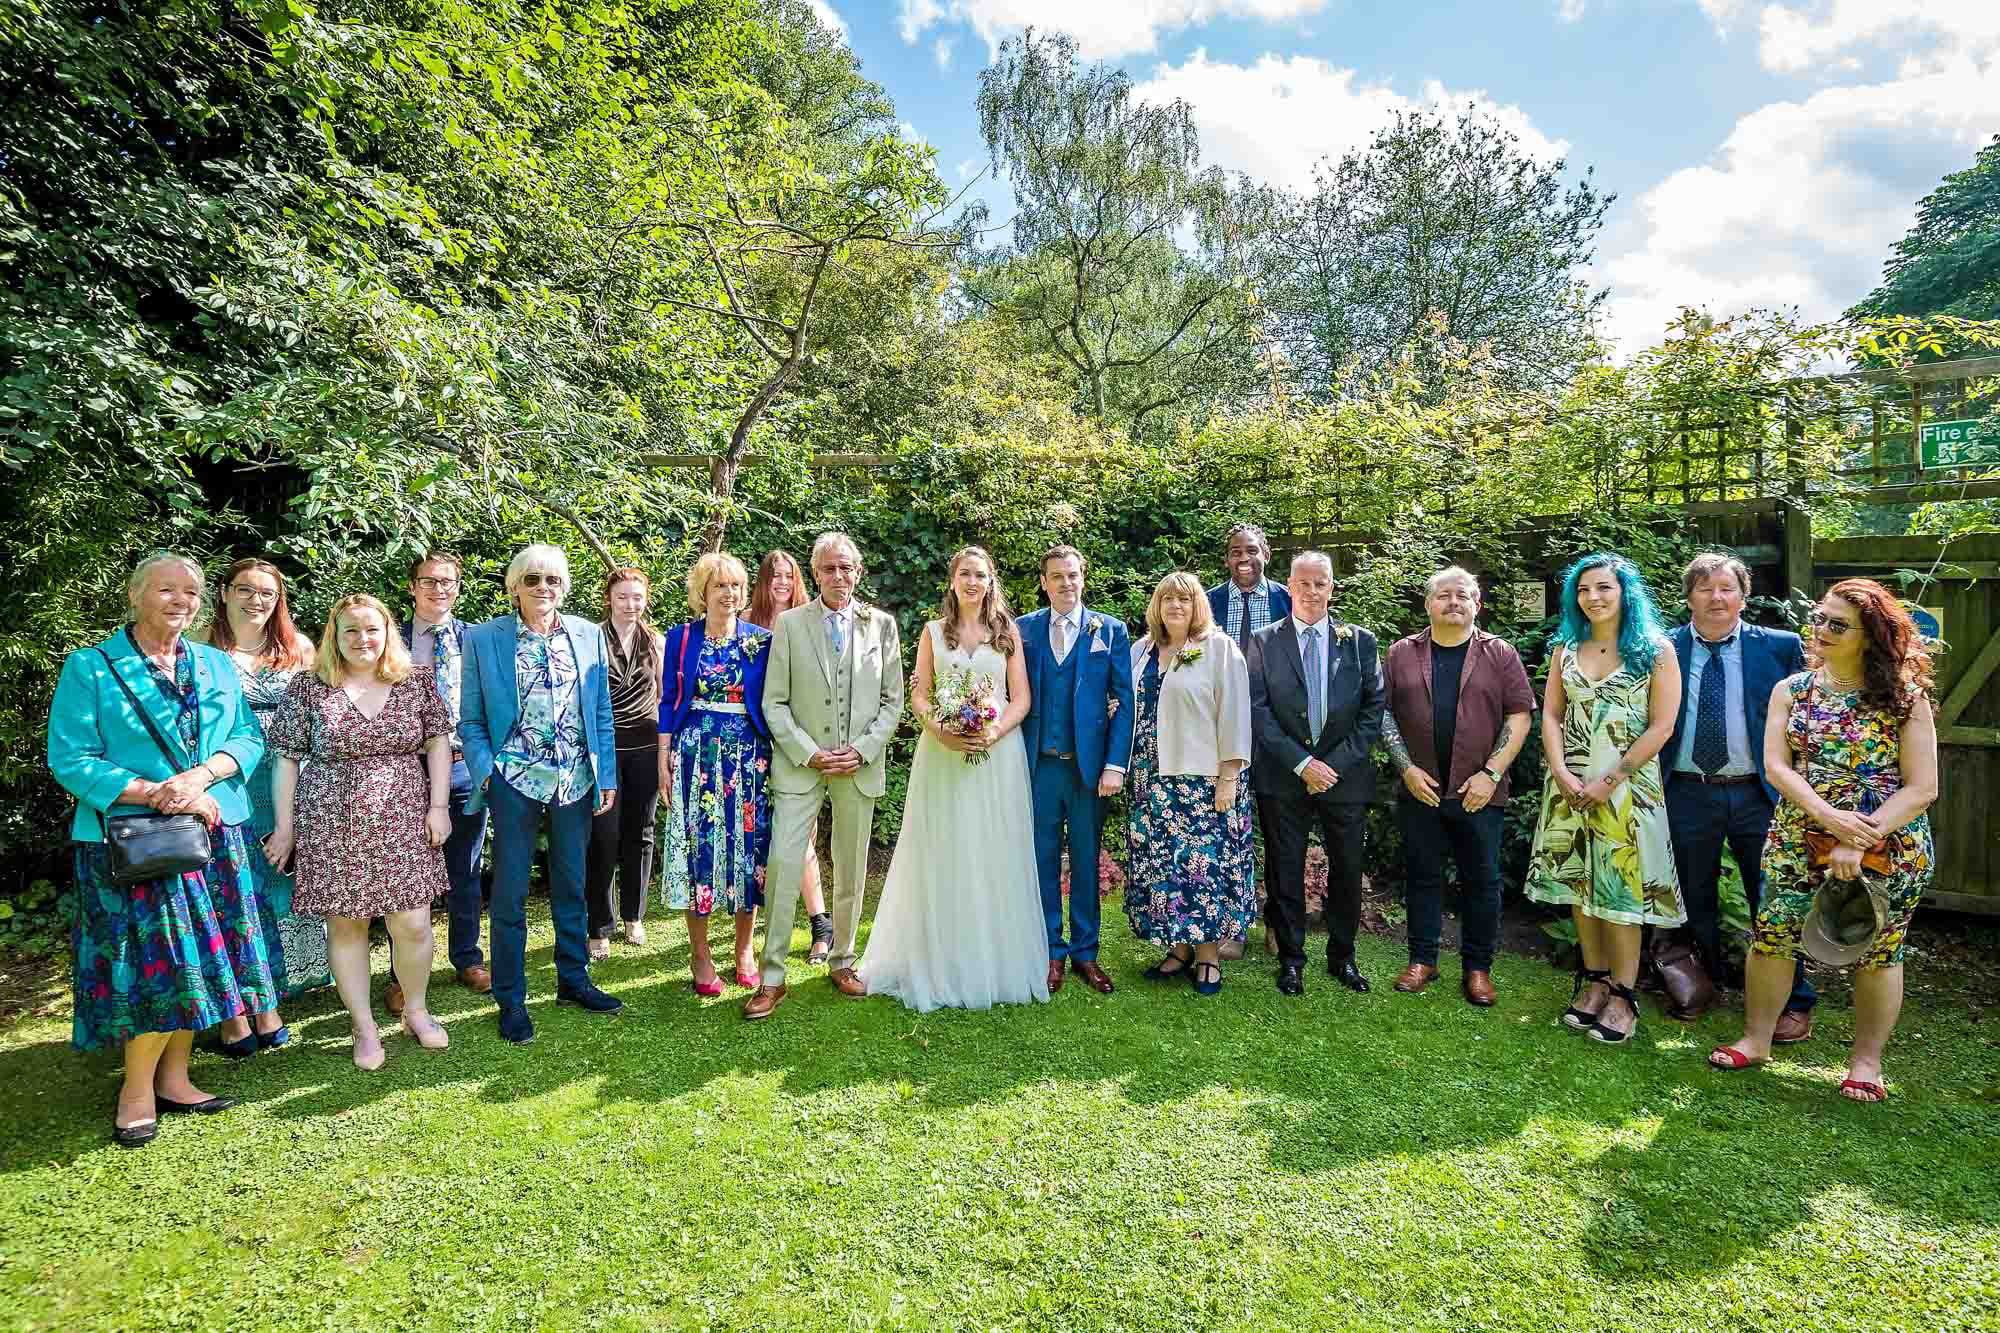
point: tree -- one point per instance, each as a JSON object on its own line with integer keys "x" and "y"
{"x": 1107, "y": 190}
{"x": 1437, "y": 219}
{"x": 1949, "y": 262}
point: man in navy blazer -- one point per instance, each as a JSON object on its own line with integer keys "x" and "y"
{"x": 1714, "y": 762}
{"x": 555, "y": 759}
{"x": 1242, "y": 604}
{"x": 1078, "y": 734}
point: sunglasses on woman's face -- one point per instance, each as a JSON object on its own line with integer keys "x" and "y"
{"x": 1827, "y": 624}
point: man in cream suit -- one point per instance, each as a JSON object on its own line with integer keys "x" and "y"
{"x": 833, "y": 695}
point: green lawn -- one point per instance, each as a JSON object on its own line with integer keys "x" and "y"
{"x": 1146, "y": 1160}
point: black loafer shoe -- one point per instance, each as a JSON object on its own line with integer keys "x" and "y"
{"x": 516, "y": 1026}
{"x": 1348, "y": 975}
{"x": 135, "y": 1136}
{"x": 590, "y": 998}
{"x": 214, "y": 1104}
{"x": 1291, "y": 980}
{"x": 241, "y": 1049}
{"x": 276, "y": 1037}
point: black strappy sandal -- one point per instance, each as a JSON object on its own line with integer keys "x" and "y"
{"x": 1575, "y": 1019}
{"x": 1611, "y": 1036}
{"x": 822, "y": 938}
{"x": 1160, "y": 972}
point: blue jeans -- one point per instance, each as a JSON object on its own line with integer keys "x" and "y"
{"x": 1063, "y": 803}
{"x": 1473, "y": 842}
{"x": 516, "y": 823}
{"x": 1702, "y": 819}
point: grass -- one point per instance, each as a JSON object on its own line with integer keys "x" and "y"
{"x": 1144, "y": 1160}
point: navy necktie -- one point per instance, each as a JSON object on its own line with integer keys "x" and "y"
{"x": 1711, "y": 728}
{"x": 1243, "y": 627}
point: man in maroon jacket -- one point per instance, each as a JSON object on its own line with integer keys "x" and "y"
{"x": 1459, "y": 709}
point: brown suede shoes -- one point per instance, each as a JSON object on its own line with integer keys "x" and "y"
{"x": 1478, "y": 988}
{"x": 1093, "y": 976}
{"x": 761, "y": 1004}
{"x": 1793, "y": 1028}
{"x": 476, "y": 979}
{"x": 1415, "y": 977}
{"x": 392, "y": 999}
{"x": 848, "y": 982}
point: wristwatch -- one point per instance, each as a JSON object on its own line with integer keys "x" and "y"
{"x": 1491, "y": 776}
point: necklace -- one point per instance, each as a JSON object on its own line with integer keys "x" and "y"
{"x": 1834, "y": 682}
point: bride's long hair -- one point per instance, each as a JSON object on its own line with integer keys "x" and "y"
{"x": 993, "y": 612}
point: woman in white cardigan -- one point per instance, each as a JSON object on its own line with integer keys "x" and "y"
{"x": 1192, "y": 882}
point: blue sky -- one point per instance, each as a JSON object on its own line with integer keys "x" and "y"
{"x": 1762, "y": 154}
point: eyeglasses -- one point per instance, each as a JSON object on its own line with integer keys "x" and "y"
{"x": 430, "y": 584}
{"x": 250, "y": 594}
{"x": 1833, "y": 625}
{"x": 537, "y": 580}
{"x": 841, "y": 568}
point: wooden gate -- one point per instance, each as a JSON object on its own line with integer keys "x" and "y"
{"x": 1960, "y": 586}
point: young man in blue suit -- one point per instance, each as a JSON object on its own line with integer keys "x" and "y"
{"x": 1078, "y": 734}
{"x": 1714, "y": 762}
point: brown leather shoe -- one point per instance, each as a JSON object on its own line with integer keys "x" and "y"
{"x": 392, "y": 999}
{"x": 1415, "y": 977}
{"x": 1093, "y": 976}
{"x": 1478, "y": 988}
{"x": 476, "y": 978}
{"x": 847, "y": 982}
{"x": 1055, "y": 975}
{"x": 1793, "y": 1028}
{"x": 761, "y": 1004}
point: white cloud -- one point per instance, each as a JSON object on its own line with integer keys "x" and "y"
{"x": 1802, "y": 201}
{"x": 909, "y": 131}
{"x": 941, "y": 51}
{"x": 1569, "y": 11}
{"x": 1276, "y": 118}
{"x": 1102, "y": 28}
{"x": 1811, "y": 35}
{"x": 825, "y": 14}
{"x": 967, "y": 167}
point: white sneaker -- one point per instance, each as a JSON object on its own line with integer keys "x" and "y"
{"x": 599, "y": 949}
{"x": 635, "y": 933}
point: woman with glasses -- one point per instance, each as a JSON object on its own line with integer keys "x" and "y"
{"x": 1851, "y": 747}
{"x": 536, "y": 722}
{"x": 255, "y": 628}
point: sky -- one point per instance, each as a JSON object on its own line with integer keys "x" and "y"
{"x": 1762, "y": 155}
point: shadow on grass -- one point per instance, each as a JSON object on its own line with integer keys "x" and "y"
{"x": 1704, "y": 1165}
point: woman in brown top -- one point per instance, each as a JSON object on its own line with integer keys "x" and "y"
{"x": 621, "y": 839}
{"x": 778, "y": 588}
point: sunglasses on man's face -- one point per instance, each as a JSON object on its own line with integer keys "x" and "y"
{"x": 1827, "y": 624}
{"x": 537, "y": 580}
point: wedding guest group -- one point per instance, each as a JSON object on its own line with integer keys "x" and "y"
{"x": 247, "y": 804}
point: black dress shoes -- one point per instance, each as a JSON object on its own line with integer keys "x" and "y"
{"x": 515, "y": 1025}
{"x": 1348, "y": 975}
{"x": 135, "y": 1136}
{"x": 210, "y": 1107}
{"x": 1291, "y": 979}
{"x": 589, "y": 997}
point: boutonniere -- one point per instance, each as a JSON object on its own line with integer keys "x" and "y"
{"x": 1343, "y": 632}
{"x": 1187, "y": 657}
{"x": 756, "y": 644}
{"x": 1096, "y": 629}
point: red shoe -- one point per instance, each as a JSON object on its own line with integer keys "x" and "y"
{"x": 748, "y": 980}
{"x": 708, "y": 989}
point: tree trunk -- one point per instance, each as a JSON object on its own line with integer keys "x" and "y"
{"x": 722, "y": 472}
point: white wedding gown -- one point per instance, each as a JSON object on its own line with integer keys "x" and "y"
{"x": 960, "y": 921}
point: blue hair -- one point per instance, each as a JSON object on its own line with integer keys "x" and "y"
{"x": 1640, "y": 629}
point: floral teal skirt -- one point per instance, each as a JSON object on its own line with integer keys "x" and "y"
{"x": 1192, "y": 869}
{"x": 301, "y": 935}
{"x": 172, "y": 955}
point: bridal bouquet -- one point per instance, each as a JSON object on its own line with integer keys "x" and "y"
{"x": 962, "y": 702}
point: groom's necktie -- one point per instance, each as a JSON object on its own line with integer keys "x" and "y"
{"x": 1061, "y": 643}
{"x": 1315, "y": 684}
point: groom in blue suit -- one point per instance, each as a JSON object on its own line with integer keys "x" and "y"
{"x": 1078, "y": 734}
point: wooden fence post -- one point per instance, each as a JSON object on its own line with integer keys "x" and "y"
{"x": 1798, "y": 548}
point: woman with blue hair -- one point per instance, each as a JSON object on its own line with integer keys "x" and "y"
{"x": 1601, "y": 844}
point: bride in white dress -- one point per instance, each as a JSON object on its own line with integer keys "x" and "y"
{"x": 960, "y": 921}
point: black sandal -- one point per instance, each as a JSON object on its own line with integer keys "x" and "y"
{"x": 1159, "y": 971}
{"x": 1575, "y": 1019}
{"x": 1213, "y": 987}
{"x": 822, "y": 938}
{"x": 1612, "y": 1036}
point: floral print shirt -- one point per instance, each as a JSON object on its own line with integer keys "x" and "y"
{"x": 545, "y": 758}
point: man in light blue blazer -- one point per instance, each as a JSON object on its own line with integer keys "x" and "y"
{"x": 1078, "y": 734}
{"x": 535, "y": 721}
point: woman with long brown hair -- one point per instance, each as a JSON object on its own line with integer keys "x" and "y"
{"x": 1851, "y": 747}
{"x": 778, "y": 587}
{"x": 621, "y": 839}
{"x": 254, "y": 626}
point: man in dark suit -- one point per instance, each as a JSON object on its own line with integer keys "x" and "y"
{"x": 1078, "y": 734}
{"x": 1316, "y": 700}
{"x": 1714, "y": 762}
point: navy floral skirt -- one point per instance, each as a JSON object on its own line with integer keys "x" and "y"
{"x": 172, "y": 955}
{"x": 1192, "y": 869}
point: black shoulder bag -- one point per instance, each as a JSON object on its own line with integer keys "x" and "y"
{"x": 153, "y": 845}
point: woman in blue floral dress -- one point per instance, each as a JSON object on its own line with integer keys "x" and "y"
{"x": 715, "y": 766}
{"x": 1192, "y": 878}
{"x": 148, "y": 720}
{"x": 254, "y": 626}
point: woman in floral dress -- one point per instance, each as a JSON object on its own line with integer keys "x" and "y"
{"x": 1192, "y": 881}
{"x": 254, "y": 626}
{"x": 1851, "y": 746}
{"x": 1601, "y": 845}
{"x": 715, "y": 766}
{"x": 369, "y": 815}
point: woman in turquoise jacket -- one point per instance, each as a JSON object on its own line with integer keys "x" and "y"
{"x": 155, "y": 962}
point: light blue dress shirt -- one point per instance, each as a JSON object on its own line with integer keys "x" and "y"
{"x": 1740, "y": 764}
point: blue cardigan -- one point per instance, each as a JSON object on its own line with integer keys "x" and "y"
{"x": 98, "y": 744}
{"x": 682, "y": 651}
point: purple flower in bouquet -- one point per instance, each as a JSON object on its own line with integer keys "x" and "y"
{"x": 964, "y": 704}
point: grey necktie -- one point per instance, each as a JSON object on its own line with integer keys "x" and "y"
{"x": 1315, "y": 687}
{"x": 836, "y": 635}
